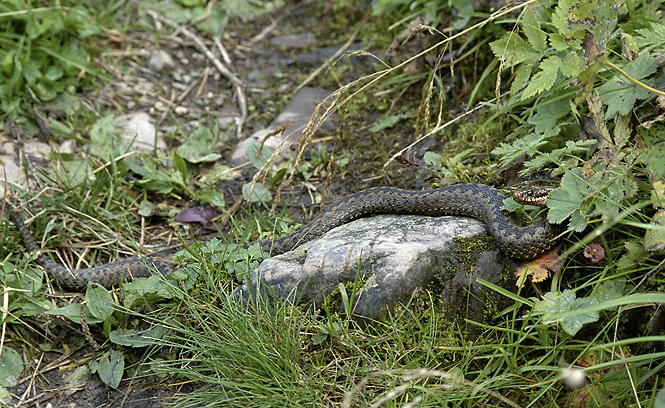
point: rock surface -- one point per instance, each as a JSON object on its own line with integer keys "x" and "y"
{"x": 391, "y": 257}
{"x": 296, "y": 114}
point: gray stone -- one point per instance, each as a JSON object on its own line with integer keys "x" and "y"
{"x": 297, "y": 113}
{"x": 11, "y": 169}
{"x": 160, "y": 61}
{"x": 392, "y": 257}
{"x": 137, "y": 128}
{"x": 293, "y": 40}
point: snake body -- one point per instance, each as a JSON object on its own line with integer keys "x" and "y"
{"x": 473, "y": 200}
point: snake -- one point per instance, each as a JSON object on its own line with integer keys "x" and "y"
{"x": 478, "y": 201}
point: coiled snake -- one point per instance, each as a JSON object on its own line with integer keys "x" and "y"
{"x": 474, "y": 200}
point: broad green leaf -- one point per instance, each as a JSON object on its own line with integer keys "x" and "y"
{"x": 99, "y": 301}
{"x": 180, "y": 166}
{"x": 104, "y": 138}
{"x": 556, "y": 303}
{"x": 198, "y": 147}
{"x": 433, "y": 159}
{"x": 213, "y": 196}
{"x": 256, "y": 157}
{"x": 619, "y": 94}
{"x": 260, "y": 194}
{"x": 73, "y": 312}
{"x": 11, "y": 367}
{"x": 110, "y": 368}
{"x": 137, "y": 338}
{"x": 565, "y": 200}
{"x": 660, "y": 399}
{"x": 387, "y": 122}
{"x": 77, "y": 379}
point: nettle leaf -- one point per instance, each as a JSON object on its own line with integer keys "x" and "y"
{"x": 619, "y": 94}
{"x": 513, "y": 50}
{"x": 543, "y": 81}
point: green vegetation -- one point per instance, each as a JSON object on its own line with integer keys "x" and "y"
{"x": 575, "y": 86}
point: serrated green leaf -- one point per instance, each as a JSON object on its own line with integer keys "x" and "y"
{"x": 565, "y": 200}
{"x": 513, "y": 50}
{"x": 99, "y": 301}
{"x": 531, "y": 27}
{"x": 652, "y": 38}
{"x": 574, "y": 148}
{"x": 543, "y": 81}
{"x": 570, "y": 66}
{"x": 522, "y": 75}
{"x": 524, "y": 146}
{"x": 546, "y": 119}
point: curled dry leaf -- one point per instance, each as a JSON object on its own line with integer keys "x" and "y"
{"x": 595, "y": 252}
{"x": 538, "y": 269}
{"x": 202, "y": 213}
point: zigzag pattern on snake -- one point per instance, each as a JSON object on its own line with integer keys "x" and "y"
{"x": 473, "y": 200}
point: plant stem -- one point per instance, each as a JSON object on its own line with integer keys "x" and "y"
{"x": 607, "y": 62}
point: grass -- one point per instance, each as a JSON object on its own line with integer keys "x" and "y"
{"x": 278, "y": 355}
